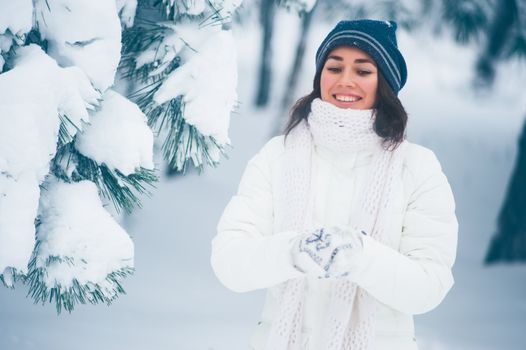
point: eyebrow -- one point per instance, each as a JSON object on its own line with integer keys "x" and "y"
{"x": 358, "y": 60}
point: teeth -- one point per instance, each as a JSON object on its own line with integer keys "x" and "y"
{"x": 347, "y": 98}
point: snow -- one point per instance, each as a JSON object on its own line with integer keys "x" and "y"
{"x": 40, "y": 80}
{"x": 76, "y": 226}
{"x": 18, "y": 208}
{"x": 82, "y": 33}
{"x": 192, "y": 7}
{"x": 34, "y": 93}
{"x": 299, "y": 5}
{"x": 126, "y": 10}
{"x": 207, "y": 81}
{"x": 16, "y": 19}
{"x": 16, "y": 16}
{"x": 225, "y": 8}
{"x": 118, "y": 135}
{"x": 5, "y": 43}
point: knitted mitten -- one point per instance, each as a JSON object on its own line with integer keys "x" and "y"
{"x": 326, "y": 252}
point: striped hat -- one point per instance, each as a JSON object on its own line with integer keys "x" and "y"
{"x": 376, "y": 38}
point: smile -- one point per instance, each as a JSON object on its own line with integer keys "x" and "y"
{"x": 347, "y": 98}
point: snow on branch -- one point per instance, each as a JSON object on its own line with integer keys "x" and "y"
{"x": 16, "y": 17}
{"x": 82, "y": 33}
{"x": 213, "y": 11}
{"x": 82, "y": 254}
{"x": 54, "y": 99}
{"x": 34, "y": 94}
{"x": 188, "y": 90}
{"x": 126, "y": 10}
{"x": 118, "y": 135}
{"x": 69, "y": 140}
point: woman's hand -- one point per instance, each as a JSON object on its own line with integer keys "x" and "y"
{"x": 327, "y": 252}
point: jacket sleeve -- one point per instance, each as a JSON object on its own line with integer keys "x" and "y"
{"x": 416, "y": 278}
{"x": 246, "y": 255}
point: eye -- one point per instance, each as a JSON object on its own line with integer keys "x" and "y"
{"x": 363, "y": 72}
{"x": 334, "y": 69}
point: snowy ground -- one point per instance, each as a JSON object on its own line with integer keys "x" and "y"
{"x": 174, "y": 300}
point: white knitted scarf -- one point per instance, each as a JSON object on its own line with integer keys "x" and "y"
{"x": 350, "y": 315}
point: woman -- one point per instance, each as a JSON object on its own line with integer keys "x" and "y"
{"x": 350, "y": 227}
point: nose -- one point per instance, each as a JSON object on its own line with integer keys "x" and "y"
{"x": 347, "y": 78}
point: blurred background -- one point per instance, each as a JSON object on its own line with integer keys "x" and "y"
{"x": 466, "y": 100}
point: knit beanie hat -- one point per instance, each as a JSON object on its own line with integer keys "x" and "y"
{"x": 376, "y": 38}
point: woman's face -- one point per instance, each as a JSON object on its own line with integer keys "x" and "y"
{"x": 349, "y": 79}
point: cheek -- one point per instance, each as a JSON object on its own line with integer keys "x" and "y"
{"x": 325, "y": 85}
{"x": 370, "y": 88}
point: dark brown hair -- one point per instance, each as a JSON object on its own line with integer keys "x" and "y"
{"x": 390, "y": 116}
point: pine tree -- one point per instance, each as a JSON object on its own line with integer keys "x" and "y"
{"x": 498, "y": 29}
{"x": 70, "y": 144}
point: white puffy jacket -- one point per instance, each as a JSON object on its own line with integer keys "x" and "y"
{"x": 410, "y": 274}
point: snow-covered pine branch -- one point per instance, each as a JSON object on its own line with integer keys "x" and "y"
{"x": 35, "y": 93}
{"x": 186, "y": 65}
{"x": 66, "y": 139}
{"x": 81, "y": 254}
